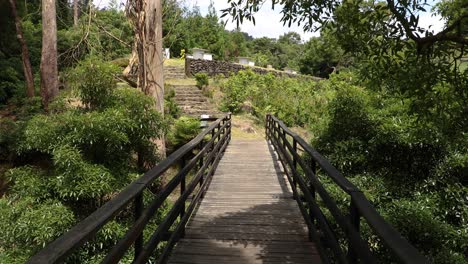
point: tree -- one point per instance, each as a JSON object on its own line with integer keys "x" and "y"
{"x": 49, "y": 68}
{"x": 27, "y": 69}
{"x": 402, "y": 15}
{"x": 322, "y": 55}
{"x": 76, "y": 12}
{"x": 146, "y": 16}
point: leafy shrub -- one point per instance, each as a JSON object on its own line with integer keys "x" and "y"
{"x": 11, "y": 81}
{"x": 28, "y": 226}
{"x": 184, "y": 130}
{"x": 417, "y": 222}
{"x": 82, "y": 155}
{"x": 279, "y": 96}
{"x": 8, "y": 138}
{"x": 170, "y": 106}
{"x": 202, "y": 80}
{"x": 94, "y": 80}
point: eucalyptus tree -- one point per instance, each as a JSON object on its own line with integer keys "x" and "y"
{"x": 27, "y": 69}
{"x": 49, "y": 68}
{"x": 146, "y": 17}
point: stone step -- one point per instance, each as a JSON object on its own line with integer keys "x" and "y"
{"x": 189, "y": 95}
{"x": 174, "y": 77}
{"x": 193, "y": 92}
{"x": 191, "y": 102}
{"x": 189, "y": 92}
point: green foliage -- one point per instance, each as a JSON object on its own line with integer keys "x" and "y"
{"x": 95, "y": 81}
{"x": 438, "y": 240}
{"x": 78, "y": 156}
{"x": 184, "y": 130}
{"x": 202, "y": 80}
{"x": 170, "y": 106}
{"x": 11, "y": 82}
{"x": 270, "y": 94}
{"x": 8, "y": 138}
{"x": 322, "y": 55}
{"x": 28, "y": 226}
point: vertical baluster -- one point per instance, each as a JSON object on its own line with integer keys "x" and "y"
{"x": 313, "y": 167}
{"x": 355, "y": 222}
{"x": 295, "y": 167}
{"x": 182, "y": 190}
{"x": 137, "y": 214}
{"x": 284, "y": 140}
{"x": 201, "y": 161}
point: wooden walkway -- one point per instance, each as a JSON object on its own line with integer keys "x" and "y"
{"x": 248, "y": 214}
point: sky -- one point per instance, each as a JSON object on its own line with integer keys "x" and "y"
{"x": 268, "y": 21}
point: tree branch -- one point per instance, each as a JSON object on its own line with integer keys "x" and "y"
{"x": 444, "y": 35}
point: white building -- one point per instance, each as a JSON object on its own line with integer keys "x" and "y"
{"x": 243, "y": 60}
{"x": 201, "y": 54}
{"x": 207, "y": 56}
{"x": 198, "y": 53}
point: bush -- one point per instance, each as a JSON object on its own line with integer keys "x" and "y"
{"x": 82, "y": 155}
{"x": 202, "y": 80}
{"x": 170, "y": 106}
{"x": 417, "y": 222}
{"x": 11, "y": 80}
{"x": 95, "y": 81}
{"x": 28, "y": 226}
{"x": 184, "y": 130}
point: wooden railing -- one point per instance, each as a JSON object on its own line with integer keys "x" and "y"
{"x": 301, "y": 174}
{"x": 199, "y": 157}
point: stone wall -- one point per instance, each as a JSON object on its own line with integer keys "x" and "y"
{"x": 213, "y": 68}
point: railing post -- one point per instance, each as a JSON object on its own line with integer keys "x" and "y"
{"x": 182, "y": 190}
{"x": 137, "y": 214}
{"x": 200, "y": 163}
{"x": 295, "y": 167}
{"x": 355, "y": 222}
{"x": 313, "y": 167}
{"x": 229, "y": 126}
{"x": 284, "y": 140}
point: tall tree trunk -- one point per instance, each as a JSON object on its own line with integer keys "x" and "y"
{"x": 147, "y": 17}
{"x": 27, "y": 69}
{"x": 49, "y": 68}
{"x": 75, "y": 12}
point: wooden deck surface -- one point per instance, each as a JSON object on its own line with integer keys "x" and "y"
{"x": 247, "y": 215}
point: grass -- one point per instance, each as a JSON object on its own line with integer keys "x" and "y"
{"x": 246, "y": 126}
{"x": 186, "y": 81}
{"x": 174, "y": 63}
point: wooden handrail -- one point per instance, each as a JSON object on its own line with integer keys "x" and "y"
{"x": 277, "y": 133}
{"x": 208, "y": 155}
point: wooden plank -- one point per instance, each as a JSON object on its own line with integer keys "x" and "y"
{"x": 247, "y": 215}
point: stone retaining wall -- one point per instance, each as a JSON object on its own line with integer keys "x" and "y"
{"x": 213, "y": 68}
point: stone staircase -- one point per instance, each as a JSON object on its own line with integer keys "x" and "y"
{"x": 174, "y": 72}
{"x": 192, "y": 101}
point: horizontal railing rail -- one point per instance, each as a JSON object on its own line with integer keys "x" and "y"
{"x": 200, "y": 157}
{"x": 305, "y": 190}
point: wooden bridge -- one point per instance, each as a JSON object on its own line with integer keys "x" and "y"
{"x": 240, "y": 201}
